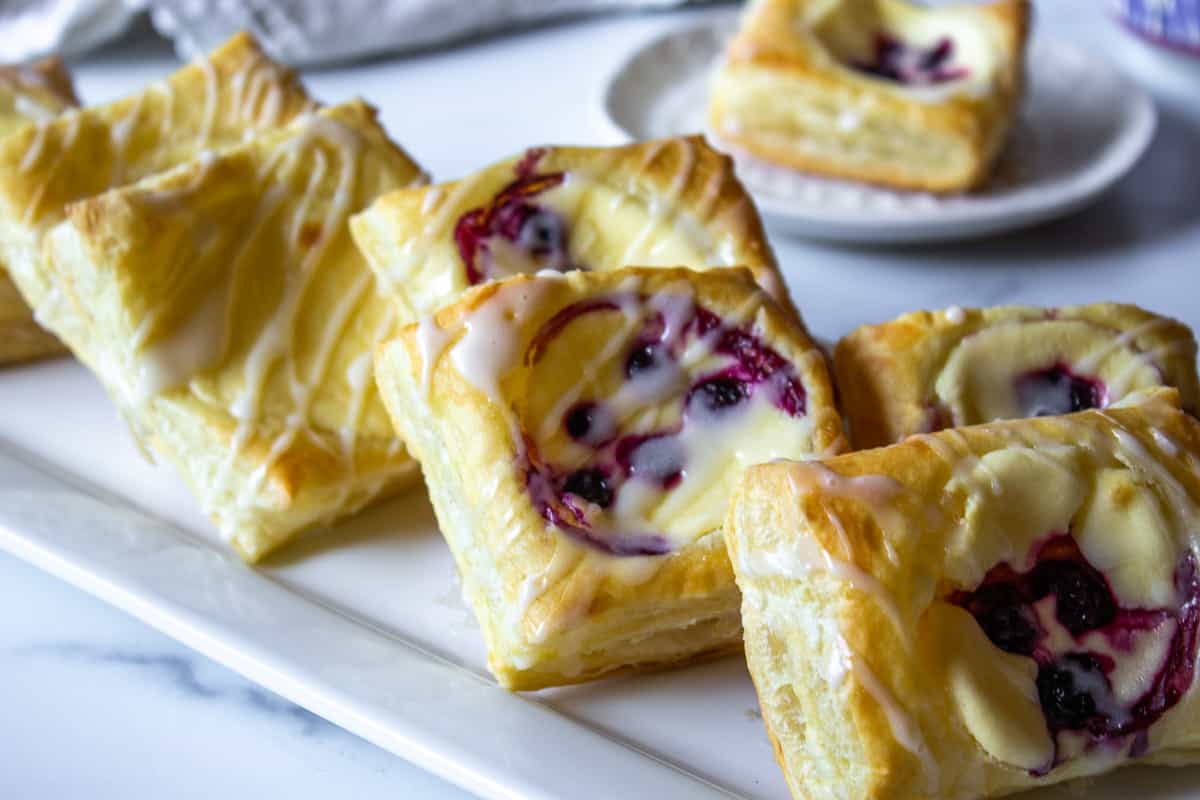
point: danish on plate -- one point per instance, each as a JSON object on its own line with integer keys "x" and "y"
{"x": 977, "y": 611}
{"x": 884, "y": 91}
{"x": 28, "y": 94}
{"x": 579, "y": 434}
{"x": 218, "y": 101}
{"x": 929, "y": 370}
{"x": 661, "y": 203}
{"x": 228, "y": 313}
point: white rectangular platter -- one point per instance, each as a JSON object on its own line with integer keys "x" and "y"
{"x": 364, "y": 626}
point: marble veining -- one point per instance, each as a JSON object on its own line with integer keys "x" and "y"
{"x": 181, "y": 674}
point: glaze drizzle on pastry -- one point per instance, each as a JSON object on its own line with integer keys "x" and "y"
{"x": 660, "y": 203}
{"x": 260, "y": 345}
{"x": 1093, "y": 617}
{"x": 585, "y": 499}
{"x": 603, "y": 468}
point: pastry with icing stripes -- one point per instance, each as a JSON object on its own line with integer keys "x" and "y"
{"x": 978, "y": 611}
{"x": 929, "y": 370}
{"x": 884, "y": 91}
{"x": 229, "y": 315}
{"x": 216, "y": 102}
{"x": 33, "y": 93}
{"x": 661, "y": 203}
{"x": 579, "y": 434}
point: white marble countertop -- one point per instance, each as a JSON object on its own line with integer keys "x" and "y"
{"x": 99, "y": 705}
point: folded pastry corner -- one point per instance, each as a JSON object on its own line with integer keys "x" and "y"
{"x": 579, "y": 434}
{"x": 977, "y": 611}
{"x": 229, "y": 315}
{"x": 218, "y": 101}
{"x": 29, "y": 94}
{"x": 929, "y": 370}
{"x": 884, "y": 91}
{"x": 659, "y": 203}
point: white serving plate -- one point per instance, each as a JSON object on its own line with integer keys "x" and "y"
{"x": 1083, "y": 126}
{"x": 363, "y": 625}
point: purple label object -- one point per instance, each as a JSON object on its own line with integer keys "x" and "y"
{"x": 1171, "y": 23}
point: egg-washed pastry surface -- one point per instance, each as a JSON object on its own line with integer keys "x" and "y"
{"x": 977, "y": 611}
{"x": 218, "y": 101}
{"x": 36, "y": 92}
{"x": 29, "y": 93}
{"x": 231, "y": 318}
{"x": 885, "y": 91}
{"x": 660, "y": 203}
{"x": 579, "y": 434}
{"x": 929, "y": 370}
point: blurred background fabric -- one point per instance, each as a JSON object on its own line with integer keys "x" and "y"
{"x": 299, "y": 32}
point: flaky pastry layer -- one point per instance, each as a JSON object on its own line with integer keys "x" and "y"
{"x": 801, "y": 86}
{"x": 216, "y": 102}
{"x": 928, "y": 370}
{"x": 978, "y": 611}
{"x": 32, "y": 93}
{"x": 578, "y": 479}
{"x": 659, "y": 203}
{"x": 231, "y": 318}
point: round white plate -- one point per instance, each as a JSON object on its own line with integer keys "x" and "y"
{"x": 1082, "y": 127}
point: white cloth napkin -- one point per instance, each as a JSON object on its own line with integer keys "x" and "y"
{"x": 296, "y": 31}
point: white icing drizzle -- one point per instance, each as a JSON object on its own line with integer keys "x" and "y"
{"x": 193, "y": 346}
{"x": 566, "y": 557}
{"x": 431, "y": 341}
{"x": 489, "y": 346}
{"x": 168, "y": 114}
{"x": 433, "y": 196}
{"x": 1119, "y": 383}
{"x": 274, "y": 341}
{"x": 803, "y": 554}
{"x": 121, "y": 132}
{"x": 873, "y": 491}
{"x": 1164, "y": 442}
{"x": 955, "y": 315}
{"x": 211, "y": 96}
{"x": 440, "y": 207}
{"x": 71, "y": 133}
{"x": 1145, "y": 462}
{"x": 1090, "y": 362}
{"x": 905, "y": 729}
{"x": 846, "y": 570}
{"x": 36, "y": 145}
{"x": 954, "y": 448}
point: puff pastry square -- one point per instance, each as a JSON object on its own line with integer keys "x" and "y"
{"x": 29, "y": 93}
{"x": 579, "y": 434}
{"x": 885, "y": 91}
{"x": 662, "y": 203}
{"x": 219, "y": 101}
{"x": 228, "y": 313}
{"x": 978, "y": 611}
{"x": 930, "y": 370}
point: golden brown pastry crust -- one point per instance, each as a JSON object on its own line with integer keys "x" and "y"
{"x": 553, "y": 608}
{"x": 34, "y": 92}
{"x": 21, "y": 338}
{"x": 654, "y": 203}
{"x": 777, "y": 63}
{"x": 847, "y": 565}
{"x": 213, "y": 103}
{"x": 28, "y": 94}
{"x": 887, "y": 374}
{"x": 225, "y": 308}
